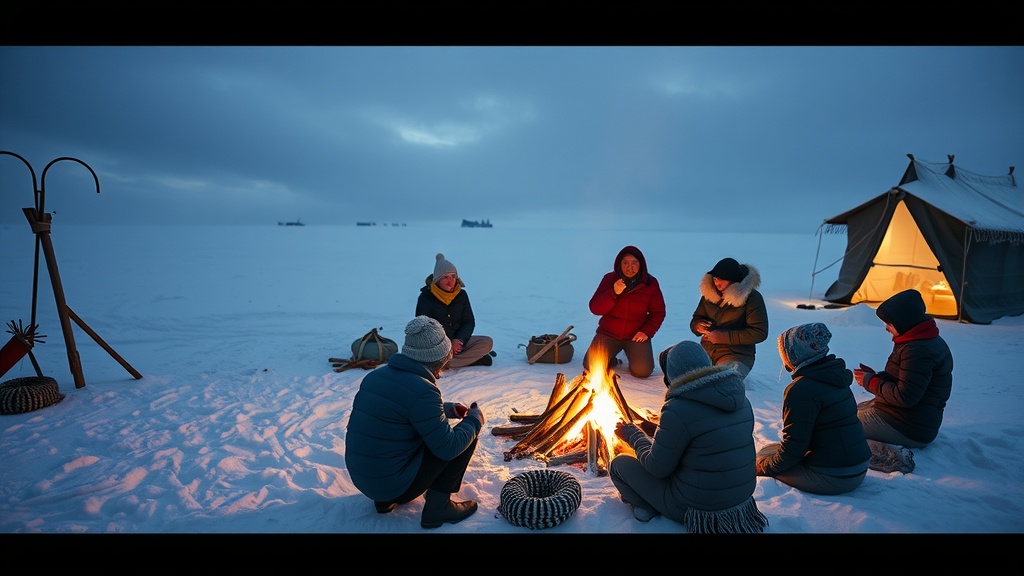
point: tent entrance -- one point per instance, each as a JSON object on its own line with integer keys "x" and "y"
{"x": 904, "y": 260}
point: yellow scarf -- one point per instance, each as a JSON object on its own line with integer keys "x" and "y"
{"x": 443, "y": 296}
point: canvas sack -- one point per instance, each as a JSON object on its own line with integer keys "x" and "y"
{"x": 373, "y": 346}
{"x": 558, "y": 354}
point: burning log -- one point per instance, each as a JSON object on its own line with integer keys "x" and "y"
{"x": 577, "y": 426}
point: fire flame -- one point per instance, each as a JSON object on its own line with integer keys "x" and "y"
{"x": 604, "y": 414}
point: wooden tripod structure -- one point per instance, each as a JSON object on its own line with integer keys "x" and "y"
{"x": 40, "y": 221}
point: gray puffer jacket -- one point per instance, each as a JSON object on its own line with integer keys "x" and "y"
{"x": 396, "y": 414}
{"x": 705, "y": 443}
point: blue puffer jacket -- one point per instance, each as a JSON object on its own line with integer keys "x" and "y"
{"x": 396, "y": 414}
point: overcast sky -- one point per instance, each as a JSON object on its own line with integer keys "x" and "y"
{"x": 744, "y": 138}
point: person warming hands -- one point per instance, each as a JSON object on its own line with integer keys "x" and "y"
{"x": 400, "y": 443}
{"x": 698, "y": 469}
{"x": 912, "y": 391}
{"x": 731, "y": 317}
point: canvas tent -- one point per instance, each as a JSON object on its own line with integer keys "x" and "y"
{"x": 955, "y": 236}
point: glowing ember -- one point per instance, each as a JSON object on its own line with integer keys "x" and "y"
{"x": 579, "y": 422}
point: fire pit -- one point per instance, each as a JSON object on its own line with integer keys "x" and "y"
{"x": 578, "y": 425}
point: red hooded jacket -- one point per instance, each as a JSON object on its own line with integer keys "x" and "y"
{"x": 638, "y": 309}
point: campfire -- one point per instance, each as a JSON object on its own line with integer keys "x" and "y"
{"x": 578, "y": 425}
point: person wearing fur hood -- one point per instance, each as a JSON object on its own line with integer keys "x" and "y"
{"x": 731, "y": 317}
{"x": 698, "y": 469}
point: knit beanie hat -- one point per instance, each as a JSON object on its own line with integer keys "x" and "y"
{"x": 729, "y": 269}
{"x": 425, "y": 340}
{"x": 903, "y": 310}
{"x": 442, "y": 267}
{"x": 803, "y": 344}
{"x": 682, "y": 358}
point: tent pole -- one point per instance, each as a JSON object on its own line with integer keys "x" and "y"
{"x": 963, "y": 276}
{"x": 814, "y": 270}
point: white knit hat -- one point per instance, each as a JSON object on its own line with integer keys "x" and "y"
{"x": 803, "y": 344}
{"x": 425, "y": 340}
{"x": 442, "y": 267}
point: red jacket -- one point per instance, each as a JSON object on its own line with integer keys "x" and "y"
{"x": 640, "y": 309}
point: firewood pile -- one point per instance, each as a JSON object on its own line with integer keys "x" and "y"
{"x": 577, "y": 427}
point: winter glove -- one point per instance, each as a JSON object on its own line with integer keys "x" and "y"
{"x": 455, "y": 410}
{"x": 624, "y": 431}
{"x": 475, "y": 412}
{"x": 864, "y": 376}
{"x": 648, "y": 427}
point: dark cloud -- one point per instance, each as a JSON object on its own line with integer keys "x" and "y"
{"x": 693, "y": 137}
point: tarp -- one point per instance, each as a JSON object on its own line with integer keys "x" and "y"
{"x": 955, "y": 236}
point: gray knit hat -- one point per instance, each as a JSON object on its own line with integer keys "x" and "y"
{"x": 682, "y": 358}
{"x": 803, "y": 344}
{"x": 425, "y": 340}
{"x": 442, "y": 267}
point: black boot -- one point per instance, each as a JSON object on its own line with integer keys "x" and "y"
{"x": 485, "y": 360}
{"x": 439, "y": 509}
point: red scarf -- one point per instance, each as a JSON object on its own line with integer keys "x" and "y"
{"x": 923, "y": 331}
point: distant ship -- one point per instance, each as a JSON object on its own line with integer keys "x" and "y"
{"x": 476, "y": 223}
{"x": 297, "y": 222}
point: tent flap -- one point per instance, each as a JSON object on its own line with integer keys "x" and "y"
{"x": 955, "y": 236}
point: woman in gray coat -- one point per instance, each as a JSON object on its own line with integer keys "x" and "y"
{"x": 823, "y": 448}
{"x": 698, "y": 469}
{"x": 400, "y": 443}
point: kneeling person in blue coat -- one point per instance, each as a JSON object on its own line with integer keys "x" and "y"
{"x": 400, "y": 442}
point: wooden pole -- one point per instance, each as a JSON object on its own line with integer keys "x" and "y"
{"x": 41, "y": 226}
{"x": 549, "y": 345}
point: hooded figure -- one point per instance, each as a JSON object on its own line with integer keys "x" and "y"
{"x": 823, "y": 448}
{"x": 731, "y": 317}
{"x": 912, "y": 391}
{"x": 698, "y": 469}
{"x": 631, "y": 307}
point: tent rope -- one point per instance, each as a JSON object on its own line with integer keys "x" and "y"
{"x": 836, "y": 228}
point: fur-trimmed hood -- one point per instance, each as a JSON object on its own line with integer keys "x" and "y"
{"x": 719, "y": 386}
{"x": 736, "y": 294}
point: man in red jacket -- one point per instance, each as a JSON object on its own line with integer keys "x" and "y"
{"x": 632, "y": 308}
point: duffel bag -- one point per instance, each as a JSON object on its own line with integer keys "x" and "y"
{"x": 373, "y": 346}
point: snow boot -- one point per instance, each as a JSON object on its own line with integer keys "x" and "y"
{"x": 439, "y": 509}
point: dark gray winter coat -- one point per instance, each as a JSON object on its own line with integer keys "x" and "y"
{"x": 912, "y": 391}
{"x": 456, "y": 318}
{"x": 704, "y": 443}
{"x": 396, "y": 414}
{"x": 819, "y": 422}
{"x": 740, "y": 309}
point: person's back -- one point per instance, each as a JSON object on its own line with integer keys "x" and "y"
{"x": 823, "y": 448}
{"x": 699, "y": 467}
